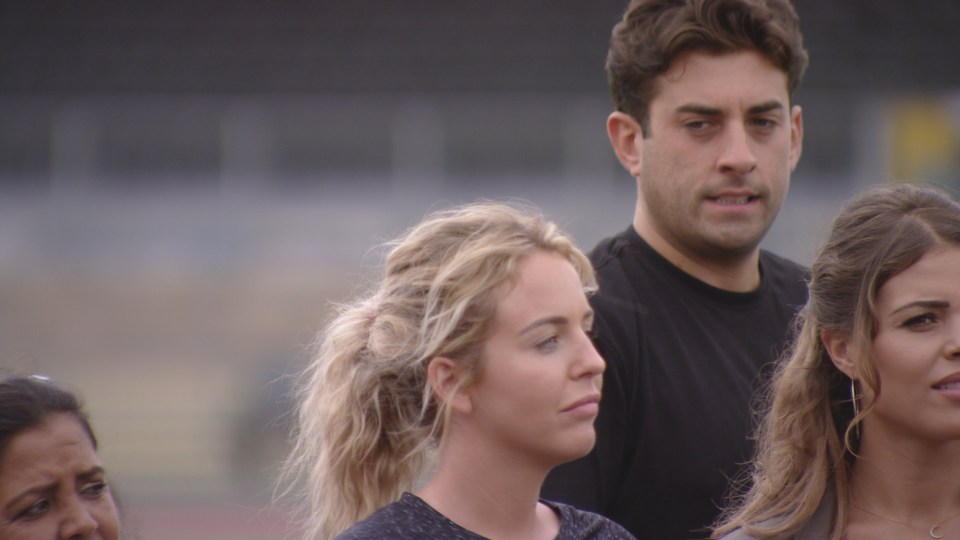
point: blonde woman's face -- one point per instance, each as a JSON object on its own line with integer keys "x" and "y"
{"x": 538, "y": 393}
{"x": 917, "y": 351}
{"x": 52, "y": 485}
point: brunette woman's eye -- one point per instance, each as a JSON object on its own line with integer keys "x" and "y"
{"x": 920, "y": 321}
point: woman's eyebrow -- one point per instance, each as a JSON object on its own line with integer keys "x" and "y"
{"x": 96, "y": 470}
{"x": 930, "y": 304}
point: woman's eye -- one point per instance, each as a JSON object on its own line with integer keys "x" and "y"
{"x": 33, "y": 511}
{"x": 94, "y": 489}
{"x": 548, "y": 344}
{"x": 920, "y": 320}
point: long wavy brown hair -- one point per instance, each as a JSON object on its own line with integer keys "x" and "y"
{"x": 807, "y": 440}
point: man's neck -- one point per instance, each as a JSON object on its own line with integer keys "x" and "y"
{"x": 736, "y": 273}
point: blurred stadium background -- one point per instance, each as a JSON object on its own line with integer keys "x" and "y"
{"x": 186, "y": 187}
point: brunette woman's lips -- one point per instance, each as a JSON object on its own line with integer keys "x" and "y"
{"x": 949, "y": 386}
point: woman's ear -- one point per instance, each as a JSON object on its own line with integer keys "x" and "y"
{"x": 841, "y": 351}
{"x": 445, "y": 377}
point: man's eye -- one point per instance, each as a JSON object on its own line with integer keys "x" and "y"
{"x": 764, "y": 122}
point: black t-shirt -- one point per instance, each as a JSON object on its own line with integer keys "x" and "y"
{"x": 684, "y": 362}
{"x": 411, "y": 518}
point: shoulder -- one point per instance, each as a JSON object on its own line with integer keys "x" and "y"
{"x": 609, "y": 256}
{"x": 784, "y": 277}
{"x": 609, "y": 249}
{"x": 582, "y": 525}
{"x": 394, "y": 520}
{"x": 410, "y": 518}
{"x": 738, "y": 534}
{"x": 617, "y": 297}
{"x": 818, "y": 527}
{"x": 614, "y": 260}
{"x": 776, "y": 266}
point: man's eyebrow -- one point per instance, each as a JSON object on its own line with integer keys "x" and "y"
{"x": 705, "y": 110}
{"x": 699, "y": 109}
{"x": 772, "y": 105}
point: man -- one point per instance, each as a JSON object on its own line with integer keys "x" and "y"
{"x": 691, "y": 312}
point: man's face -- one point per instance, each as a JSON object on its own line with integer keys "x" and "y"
{"x": 715, "y": 164}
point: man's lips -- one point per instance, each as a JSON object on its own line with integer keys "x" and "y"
{"x": 733, "y": 197}
{"x": 734, "y": 200}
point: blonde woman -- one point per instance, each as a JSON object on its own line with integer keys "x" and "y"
{"x": 861, "y": 438}
{"x": 437, "y": 404}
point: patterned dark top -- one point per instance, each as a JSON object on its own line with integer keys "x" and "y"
{"x": 411, "y": 518}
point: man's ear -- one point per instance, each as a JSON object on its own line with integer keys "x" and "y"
{"x": 796, "y": 135}
{"x": 626, "y": 137}
{"x": 445, "y": 377}
{"x": 840, "y": 349}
